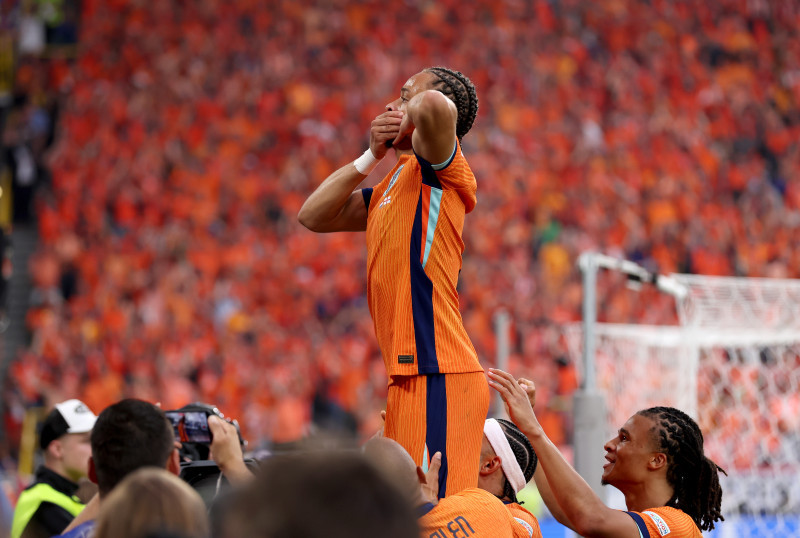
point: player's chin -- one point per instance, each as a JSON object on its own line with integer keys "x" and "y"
{"x": 604, "y": 479}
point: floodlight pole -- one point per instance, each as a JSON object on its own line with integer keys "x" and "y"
{"x": 502, "y": 326}
{"x": 589, "y": 403}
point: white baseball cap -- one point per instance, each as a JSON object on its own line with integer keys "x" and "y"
{"x": 71, "y": 416}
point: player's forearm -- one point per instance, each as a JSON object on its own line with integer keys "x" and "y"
{"x": 546, "y": 492}
{"x": 327, "y": 203}
{"x": 578, "y": 502}
{"x": 432, "y": 116}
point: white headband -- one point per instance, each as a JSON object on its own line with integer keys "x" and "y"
{"x": 497, "y": 438}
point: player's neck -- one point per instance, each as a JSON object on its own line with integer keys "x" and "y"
{"x": 652, "y": 494}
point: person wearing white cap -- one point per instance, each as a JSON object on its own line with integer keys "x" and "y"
{"x": 508, "y": 462}
{"x": 48, "y": 505}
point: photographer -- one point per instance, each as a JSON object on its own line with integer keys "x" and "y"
{"x": 132, "y": 434}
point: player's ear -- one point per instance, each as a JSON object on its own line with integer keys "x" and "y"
{"x": 658, "y": 460}
{"x": 490, "y": 465}
{"x": 174, "y": 462}
{"x": 92, "y": 472}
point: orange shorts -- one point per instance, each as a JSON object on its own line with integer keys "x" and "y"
{"x": 440, "y": 413}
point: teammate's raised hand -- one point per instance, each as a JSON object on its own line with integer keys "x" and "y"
{"x": 383, "y": 129}
{"x": 516, "y": 397}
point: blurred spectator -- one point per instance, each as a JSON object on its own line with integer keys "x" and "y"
{"x": 132, "y": 434}
{"x": 153, "y": 500}
{"x": 314, "y": 495}
{"x": 6, "y": 514}
{"x": 48, "y": 505}
{"x": 127, "y": 436}
{"x": 5, "y": 275}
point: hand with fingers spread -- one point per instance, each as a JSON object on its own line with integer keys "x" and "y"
{"x": 383, "y": 131}
{"x": 518, "y": 398}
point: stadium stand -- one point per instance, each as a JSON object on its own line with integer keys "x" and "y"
{"x": 170, "y": 267}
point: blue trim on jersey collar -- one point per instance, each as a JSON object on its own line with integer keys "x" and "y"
{"x": 424, "y": 509}
{"x": 643, "y": 531}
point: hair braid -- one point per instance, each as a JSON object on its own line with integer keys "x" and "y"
{"x": 523, "y": 452}
{"x": 460, "y": 89}
{"x": 694, "y": 477}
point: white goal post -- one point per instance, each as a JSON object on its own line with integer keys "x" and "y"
{"x": 733, "y": 364}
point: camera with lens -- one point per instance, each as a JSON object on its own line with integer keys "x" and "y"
{"x": 190, "y": 424}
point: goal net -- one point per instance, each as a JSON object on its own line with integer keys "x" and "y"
{"x": 734, "y": 365}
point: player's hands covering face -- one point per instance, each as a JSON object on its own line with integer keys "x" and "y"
{"x": 383, "y": 131}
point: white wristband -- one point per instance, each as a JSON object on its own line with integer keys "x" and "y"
{"x": 366, "y": 163}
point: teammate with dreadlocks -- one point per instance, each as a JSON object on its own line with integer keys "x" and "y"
{"x": 438, "y": 397}
{"x": 656, "y": 461}
{"x": 507, "y": 465}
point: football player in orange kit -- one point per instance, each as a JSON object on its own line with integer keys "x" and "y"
{"x": 671, "y": 488}
{"x": 471, "y": 512}
{"x": 507, "y": 465}
{"x": 438, "y": 398}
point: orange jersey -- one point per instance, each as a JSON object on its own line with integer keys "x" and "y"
{"x": 665, "y": 521}
{"x": 471, "y": 512}
{"x": 414, "y": 246}
{"x": 528, "y": 525}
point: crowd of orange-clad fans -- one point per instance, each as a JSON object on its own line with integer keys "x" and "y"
{"x": 171, "y": 265}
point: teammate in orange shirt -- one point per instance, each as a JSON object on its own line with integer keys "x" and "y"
{"x": 507, "y": 465}
{"x": 472, "y": 512}
{"x": 438, "y": 398}
{"x": 671, "y": 488}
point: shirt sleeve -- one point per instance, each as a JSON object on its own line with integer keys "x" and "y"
{"x": 453, "y": 174}
{"x": 367, "y": 194}
{"x": 665, "y": 521}
{"x": 643, "y": 530}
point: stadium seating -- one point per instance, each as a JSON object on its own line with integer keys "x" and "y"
{"x": 665, "y": 132}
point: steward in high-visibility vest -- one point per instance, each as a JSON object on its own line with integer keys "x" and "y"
{"x": 47, "y": 506}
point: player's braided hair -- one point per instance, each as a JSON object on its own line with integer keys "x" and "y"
{"x": 460, "y": 90}
{"x": 524, "y": 453}
{"x": 692, "y": 475}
